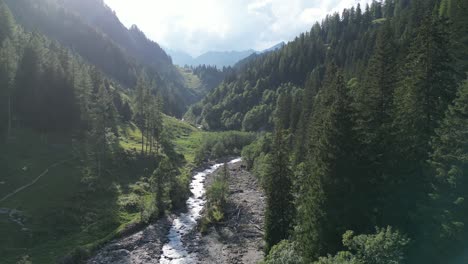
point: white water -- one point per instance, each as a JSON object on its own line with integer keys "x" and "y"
{"x": 175, "y": 252}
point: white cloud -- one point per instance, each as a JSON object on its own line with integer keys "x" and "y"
{"x": 196, "y": 26}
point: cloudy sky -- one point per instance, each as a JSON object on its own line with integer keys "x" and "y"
{"x": 197, "y": 26}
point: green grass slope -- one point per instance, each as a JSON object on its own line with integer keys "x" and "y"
{"x": 58, "y": 213}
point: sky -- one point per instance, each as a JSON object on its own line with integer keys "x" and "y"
{"x": 198, "y": 26}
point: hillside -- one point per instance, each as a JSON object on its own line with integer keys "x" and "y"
{"x": 81, "y": 156}
{"x": 366, "y": 162}
{"x": 93, "y": 30}
{"x": 349, "y": 38}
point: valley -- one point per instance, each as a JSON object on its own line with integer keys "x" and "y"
{"x": 346, "y": 143}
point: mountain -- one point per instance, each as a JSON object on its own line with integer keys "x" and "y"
{"x": 92, "y": 29}
{"x": 219, "y": 59}
{"x": 274, "y": 48}
{"x": 181, "y": 58}
{"x": 222, "y": 59}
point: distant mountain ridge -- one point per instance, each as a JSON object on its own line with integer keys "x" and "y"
{"x": 219, "y": 59}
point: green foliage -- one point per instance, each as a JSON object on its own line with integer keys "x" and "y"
{"x": 254, "y": 151}
{"x": 222, "y": 144}
{"x": 384, "y": 247}
{"x": 329, "y": 181}
{"x": 94, "y": 32}
{"x": 148, "y": 208}
{"x": 277, "y": 183}
{"x": 57, "y": 109}
{"x": 285, "y": 252}
{"x": 7, "y": 24}
{"x": 216, "y": 196}
{"x": 449, "y": 160}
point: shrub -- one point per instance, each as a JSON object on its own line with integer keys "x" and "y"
{"x": 384, "y": 247}
{"x": 284, "y": 253}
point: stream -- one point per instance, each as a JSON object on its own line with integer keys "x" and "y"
{"x": 174, "y": 251}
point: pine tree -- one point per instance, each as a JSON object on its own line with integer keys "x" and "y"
{"x": 158, "y": 127}
{"x": 141, "y": 107}
{"x": 450, "y": 162}
{"x": 7, "y": 23}
{"x": 27, "y": 90}
{"x": 457, "y": 12}
{"x": 326, "y": 198}
{"x": 101, "y": 136}
{"x": 279, "y": 213}
{"x": 8, "y": 67}
{"x": 373, "y": 106}
{"x": 163, "y": 174}
{"x": 427, "y": 86}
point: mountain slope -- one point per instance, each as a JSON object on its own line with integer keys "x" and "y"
{"x": 91, "y": 29}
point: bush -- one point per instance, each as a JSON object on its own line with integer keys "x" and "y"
{"x": 253, "y": 151}
{"x": 148, "y": 209}
{"x": 216, "y": 196}
{"x": 384, "y": 247}
{"x": 284, "y": 253}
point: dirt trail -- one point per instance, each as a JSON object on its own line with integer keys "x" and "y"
{"x": 240, "y": 238}
{"x": 35, "y": 180}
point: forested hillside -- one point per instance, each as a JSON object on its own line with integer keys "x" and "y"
{"x": 350, "y": 37}
{"x": 92, "y": 29}
{"x": 82, "y": 158}
{"x": 355, "y": 135}
{"x": 368, "y": 113}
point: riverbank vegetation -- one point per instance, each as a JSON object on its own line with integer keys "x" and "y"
{"x": 216, "y": 198}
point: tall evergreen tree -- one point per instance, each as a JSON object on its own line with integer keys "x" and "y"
{"x": 427, "y": 86}
{"x": 141, "y": 112}
{"x": 279, "y": 213}
{"x": 7, "y": 23}
{"x": 450, "y": 184}
{"x": 327, "y": 197}
{"x": 372, "y": 105}
{"x": 8, "y": 68}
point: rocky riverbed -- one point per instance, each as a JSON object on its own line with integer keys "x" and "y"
{"x": 175, "y": 239}
{"x": 141, "y": 247}
{"x": 239, "y": 239}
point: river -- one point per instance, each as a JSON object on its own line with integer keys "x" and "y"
{"x": 175, "y": 251}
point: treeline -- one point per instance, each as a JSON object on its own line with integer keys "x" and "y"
{"x": 379, "y": 140}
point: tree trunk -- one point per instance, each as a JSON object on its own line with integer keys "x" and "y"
{"x": 151, "y": 142}
{"x": 142, "y": 140}
{"x": 9, "y": 118}
{"x": 99, "y": 166}
{"x": 147, "y": 141}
